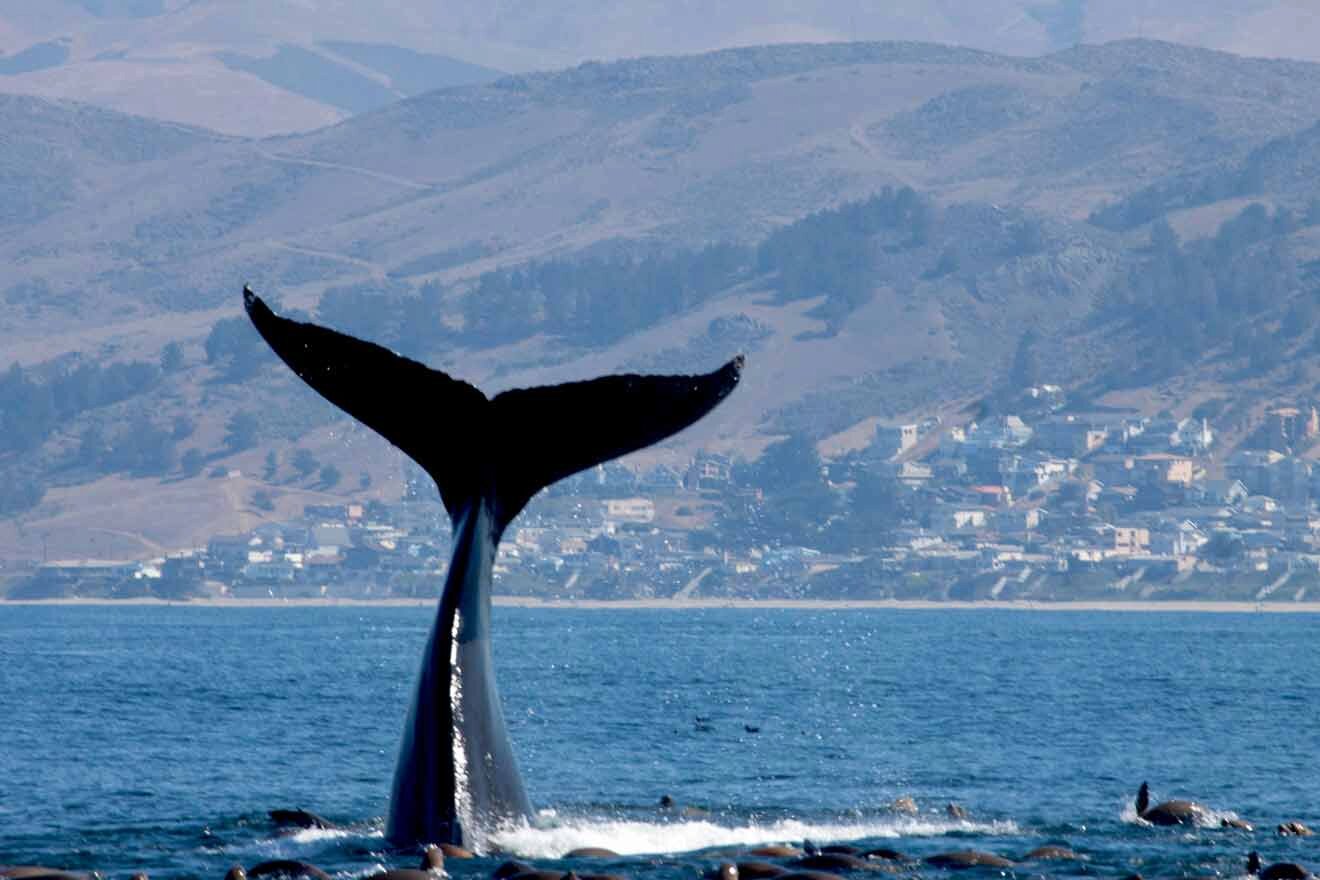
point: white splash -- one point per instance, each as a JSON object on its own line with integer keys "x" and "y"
{"x": 550, "y": 838}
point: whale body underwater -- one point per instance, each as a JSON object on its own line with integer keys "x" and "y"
{"x": 456, "y": 776}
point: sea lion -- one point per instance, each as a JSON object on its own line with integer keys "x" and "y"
{"x": 955, "y": 811}
{"x": 1050, "y": 853}
{"x": 591, "y": 852}
{"x": 1175, "y": 812}
{"x": 904, "y": 804}
{"x": 809, "y": 875}
{"x": 538, "y": 874}
{"x": 1296, "y": 829}
{"x": 406, "y": 874}
{"x": 885, "y": 854}
{"x": 1235, "y": 822}
{"x": 236, "y": 873}
{"x": 433, "y": 859}
{"x": 41, "y": 872}
{"x": 509, "y": 869}
{"x": 753, "y": 870}
{"x": 775, "y": 851}
{"x": 456, "y": 773}
{"x": 967, "y": 858}
{"x": 285, "y": 868}
{"x": 1276, "y": 871}
{"x": 299, "y": 818}
{"x": 823, "y": 861}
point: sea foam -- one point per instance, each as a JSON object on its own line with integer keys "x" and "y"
{"x": 549, "y": 837}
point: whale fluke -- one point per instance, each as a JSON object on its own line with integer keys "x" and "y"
{"x": 576, "y": 425}
{"x": 456, "y": 777}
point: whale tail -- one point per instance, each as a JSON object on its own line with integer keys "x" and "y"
{"x": 536, "y": 435}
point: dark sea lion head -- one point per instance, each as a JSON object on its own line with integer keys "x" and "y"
{"x": 956, "y": 811}
{"x": 667, "y": 802}
{"x": 510, "y": 869}
{"x": 299, "y": 818}
{"x": 286, "y": 868}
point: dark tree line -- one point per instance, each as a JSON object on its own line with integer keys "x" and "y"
{"x": 1185, "y": 299}
{"x": 597, "y": 301}
{"x": 31, "y": 408}
{"x": 832, "y": 253}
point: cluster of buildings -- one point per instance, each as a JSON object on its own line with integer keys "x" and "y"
{"x": 1049, "y": 506}
{"x": 1064, "y": 506}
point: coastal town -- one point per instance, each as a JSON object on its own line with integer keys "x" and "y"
{"x": 1041, "y": 504}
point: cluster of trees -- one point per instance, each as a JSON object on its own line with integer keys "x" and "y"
{"x": 31, "y": 408}
{"x": 597, "y": 301}
{"x": 235, "y": 347}
{"x": 799, "y": 504}
{"x": 142, "y": 448}
{"x": 832, "y": 253}
{"x": 1185, "y": 299}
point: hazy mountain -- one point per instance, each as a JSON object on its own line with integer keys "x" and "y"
{"x": 265, "y": 66}
{"x": 1033, "y": 187}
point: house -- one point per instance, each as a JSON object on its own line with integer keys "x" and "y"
{"x": 709, "y": 471}
{"x": 1251, "y": 467}
{"x": 1070, "y": 436}
{"x": 636, "y": 510}
{"x": 1287, "y": 427}
{"x": 1223, "y": 492}
{"x": 914, "y": 473}
{"x": 962, "y": 520}
{"x": 1163, "y": 467}
{"x": 1183, "y": 538}
{"x": 894, "y": 440}
{"x": 1130, "y": 540}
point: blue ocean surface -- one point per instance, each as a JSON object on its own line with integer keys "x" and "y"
{"x": 156, "y": 739}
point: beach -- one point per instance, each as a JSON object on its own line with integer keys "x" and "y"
{"x": 697, "y": 604}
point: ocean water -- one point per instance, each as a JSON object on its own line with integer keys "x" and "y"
{"x": 157, "y": 738}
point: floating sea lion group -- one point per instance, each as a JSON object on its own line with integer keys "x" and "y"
{"x": 776, "y": 861}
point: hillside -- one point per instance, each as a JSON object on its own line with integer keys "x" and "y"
{"x": 454, "y": 224}
{"x": 270, "y": 66}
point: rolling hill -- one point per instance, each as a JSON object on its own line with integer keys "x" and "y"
{"x": 260, "y": 67}
{"x": 124, "y": 235}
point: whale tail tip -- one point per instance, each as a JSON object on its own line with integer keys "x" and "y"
{"x": 516, "y": 443}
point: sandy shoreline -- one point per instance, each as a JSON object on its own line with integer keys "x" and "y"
{"x": 1198, "y": 606}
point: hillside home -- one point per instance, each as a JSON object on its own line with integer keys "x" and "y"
{"x": 1070, "y": 436}
{"x": 893, "y": 440}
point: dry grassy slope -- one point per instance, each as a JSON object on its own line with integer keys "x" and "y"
{"x": 664, "y": 150}
{"x": 689, "y": 150}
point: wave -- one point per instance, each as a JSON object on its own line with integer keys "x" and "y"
{"x": 549, "y": 837}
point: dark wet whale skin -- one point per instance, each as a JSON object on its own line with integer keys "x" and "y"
{"x": 456, "y": 775}
{"x": 456, "y": 766}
